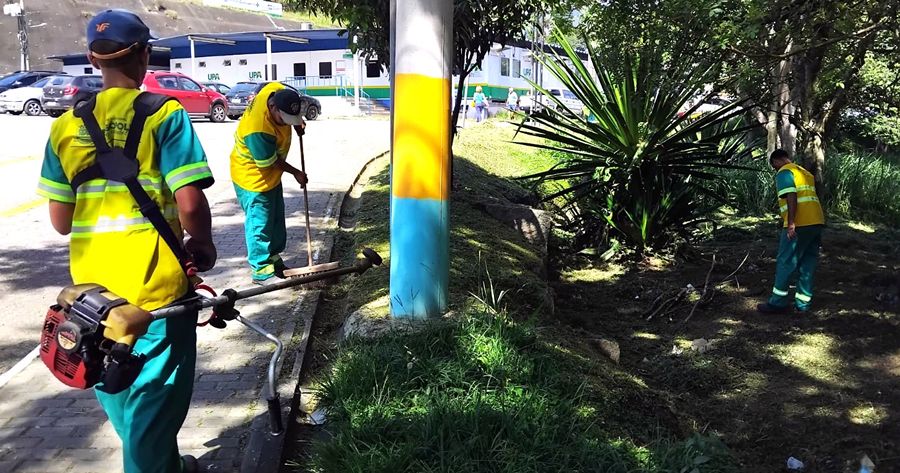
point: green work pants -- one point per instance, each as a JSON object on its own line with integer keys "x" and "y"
{"x": 148, "y": 415}
{"x": 798, "y": 256}
{"x": 264, "y": 229}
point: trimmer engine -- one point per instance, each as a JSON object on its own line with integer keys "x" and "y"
{"x": 88, "y": 337}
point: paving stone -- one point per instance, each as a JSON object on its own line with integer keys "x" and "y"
{"x": 80, "y": 421}
{"x": 98, "y": 466}
{"x": 56, "y": 465}
{"x": 49, "y": 451}
{"x": 89, "y": 454}
{"x": 20, "y": 442}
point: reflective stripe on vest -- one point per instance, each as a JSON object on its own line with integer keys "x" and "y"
{"x": 121, "y": 223}
{"x": 96, "y": 188}
{"x": 809, "y": 210}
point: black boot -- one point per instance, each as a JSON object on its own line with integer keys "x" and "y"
{"x": 189, "y": 464}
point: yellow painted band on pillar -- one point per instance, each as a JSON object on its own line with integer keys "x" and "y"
{"x": 421, "y": 151}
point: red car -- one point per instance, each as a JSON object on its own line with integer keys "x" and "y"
{"x": 199, "y": 101}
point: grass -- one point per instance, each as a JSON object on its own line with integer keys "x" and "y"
{"x": 488, "y": 390}
{"x": 318, "y": 21}
{"x": 484, "y": 394}
{"x": 862, "y": 186}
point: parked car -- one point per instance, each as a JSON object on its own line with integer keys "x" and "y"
{"x": 218, "y": 87}
{"x": 23, "y": 79}
{"x": 62, "y": 93}
{"x": 24, "y": 99}
{"x": 197, "y": 100}
{"x": 240, "y": 96}
{"x": 566, "y": 97}
{"x": 527, "y": 102}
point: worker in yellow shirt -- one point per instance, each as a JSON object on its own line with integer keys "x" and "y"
{"x": 258, "y": 160}
{"x": 801, "y": 236}
{"x": 131, "y": 241}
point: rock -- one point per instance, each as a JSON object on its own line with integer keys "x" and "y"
{"x": 532, "y": 223}
{"x": 702, "y": 345}
{"x": 609, "y": 348}
{"x": 373, "y": 321}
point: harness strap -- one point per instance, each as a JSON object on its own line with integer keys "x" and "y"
{"x": 110, "y": 165}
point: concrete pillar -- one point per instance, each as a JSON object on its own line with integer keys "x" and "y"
{"x": 421, "y": 50}
{"x": 193, "y": 60}
{"x": 269, "y": 58}
{"x": 357, "y": 78}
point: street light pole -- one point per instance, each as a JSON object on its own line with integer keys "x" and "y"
{"x": 17, "y": 9}
{"x": 421, "y": 56}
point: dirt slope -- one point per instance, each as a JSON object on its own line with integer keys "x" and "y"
{"x": 66, "y": 19}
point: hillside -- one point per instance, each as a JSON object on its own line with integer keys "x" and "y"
{"x": 65, "y": 21}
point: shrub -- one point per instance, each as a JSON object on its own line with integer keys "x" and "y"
{"x": 635, "y": 169}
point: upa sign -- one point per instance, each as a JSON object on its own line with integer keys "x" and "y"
{"x": 261, "y": 6}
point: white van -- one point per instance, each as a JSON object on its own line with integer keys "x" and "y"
{"x": 526, "y": 102}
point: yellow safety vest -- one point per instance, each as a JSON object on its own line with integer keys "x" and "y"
{"x": 112, "y": 243}
{"x": 258, "y": 145}
{"x": 809, "y": 210}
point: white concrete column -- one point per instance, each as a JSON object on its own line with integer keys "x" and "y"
{"x": 193, "y": 60}
{"x": 269, "y": 58}
{"x": 357, "y": 78}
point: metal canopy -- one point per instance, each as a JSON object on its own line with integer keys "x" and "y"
{"x": 289, "y": 39}
{"x": 210, "y": 39}
{"x": 183, "y": 41}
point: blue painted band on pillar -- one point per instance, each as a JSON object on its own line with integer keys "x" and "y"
{"x": 420, "y": 266}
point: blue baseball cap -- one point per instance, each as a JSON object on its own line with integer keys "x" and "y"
{"x": 118, "y": 26}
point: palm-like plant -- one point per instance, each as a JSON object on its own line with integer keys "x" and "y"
{"x": 634, "y": 168}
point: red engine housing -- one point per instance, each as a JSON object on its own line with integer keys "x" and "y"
{"x": 70, "y": 368}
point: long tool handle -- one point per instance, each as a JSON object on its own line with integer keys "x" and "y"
{"x": 309, "y": 252}
{"x": 371, "y": 258}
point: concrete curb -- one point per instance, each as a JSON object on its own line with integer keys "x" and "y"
{"x": 263, "y": 452}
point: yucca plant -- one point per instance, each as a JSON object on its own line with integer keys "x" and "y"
{"x": 634, "y": 165}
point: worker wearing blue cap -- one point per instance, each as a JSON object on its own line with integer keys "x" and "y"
{"x": 114, "y": 246}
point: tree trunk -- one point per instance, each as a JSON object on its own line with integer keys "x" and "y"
{"x": 787, "y": 131}
{"x": 815, "y": 156}
{"x": 772, "y": 133}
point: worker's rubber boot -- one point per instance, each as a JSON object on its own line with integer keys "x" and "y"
{"x": 189, "y": 464}
{"x": 275, "y": 279}
{"x": 766, "y": 308}
{"x": 280, "y": 268}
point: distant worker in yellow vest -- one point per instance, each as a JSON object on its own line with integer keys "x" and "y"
{"x": 801, "y": 236}
{"x": 258, "y": 160}
{"x": 116, "y": 244}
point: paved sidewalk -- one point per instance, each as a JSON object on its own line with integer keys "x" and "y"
{"x": 46, "y": 427}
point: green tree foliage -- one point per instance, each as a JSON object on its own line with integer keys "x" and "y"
{"x": 676, "y": 30}
{"x": 798, "y": 60}
{"x": 801, "y": 62}
{"x": 636, "y": 167}
{"x": 876, "y": 105}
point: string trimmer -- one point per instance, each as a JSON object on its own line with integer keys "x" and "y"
{"x": 88, "y": 337}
